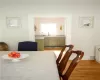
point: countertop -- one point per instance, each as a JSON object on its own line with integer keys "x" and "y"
{"x": 43, "y": 36}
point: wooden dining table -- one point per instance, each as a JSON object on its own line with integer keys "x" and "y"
{"x": 39, "y": 65}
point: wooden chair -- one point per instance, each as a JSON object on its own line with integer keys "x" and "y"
{"x": 3, "y": 46}
{"x": 70, "y": 47}
{"x": 63, "y": 73}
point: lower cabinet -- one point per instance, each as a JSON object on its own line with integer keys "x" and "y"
{"x": 54, "y": 41}
{"x": 61, "y": 41}
{"x": 40, "y": 44}
{"x": 50, "y": 42}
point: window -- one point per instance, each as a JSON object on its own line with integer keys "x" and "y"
{"x": 48, "y": 28}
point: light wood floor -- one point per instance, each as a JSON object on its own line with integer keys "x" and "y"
{"x": 86, "y": 70}
{"x": 56, "y": 48}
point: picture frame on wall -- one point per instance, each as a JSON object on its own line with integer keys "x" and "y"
{"x": 13, "y": 22}
{"x": 86, "y": 22}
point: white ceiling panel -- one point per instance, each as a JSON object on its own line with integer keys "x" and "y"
{"x": 56, "y": 2}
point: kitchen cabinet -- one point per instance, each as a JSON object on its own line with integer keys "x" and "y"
{"x": 40, "y": 43}
{"x": 54, "y": 41}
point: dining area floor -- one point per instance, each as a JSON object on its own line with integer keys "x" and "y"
{"x": 85, "y": 70}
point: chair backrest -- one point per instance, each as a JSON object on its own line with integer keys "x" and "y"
{"x": 70, "y": 47}
{"x": 27, "y": 46}
{"x": 63, "y": 64}
{"x": 3, "y": 46}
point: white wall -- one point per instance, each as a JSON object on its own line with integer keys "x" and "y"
{"x": 0, "y": 36}
{"x": 84, "y": 39}
{"x": 13, "y": 35}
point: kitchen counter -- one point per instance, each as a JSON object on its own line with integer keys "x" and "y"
{"x": 39, "y": 37}
{"x": 42, "y": 36}
{"x": 50, "y": 41}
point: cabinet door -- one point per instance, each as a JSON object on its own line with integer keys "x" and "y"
{"x": 46, "y": 42}
{"x": 61, "y": 41}
{"x": 40, "y": 43}
{"x": 52, "y": 41}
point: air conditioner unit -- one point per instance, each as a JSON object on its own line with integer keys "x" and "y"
{"x": 97, "y": 54}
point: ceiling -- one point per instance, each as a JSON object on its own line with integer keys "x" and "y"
{"x": 51, "y": 2}
{"x": 27, "y": 3}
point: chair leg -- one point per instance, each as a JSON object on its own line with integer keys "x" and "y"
{"x": 60, "y": 78}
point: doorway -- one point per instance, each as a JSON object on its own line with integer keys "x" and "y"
{"x": 67, "y": 24}
{"x": 50, "y": 32}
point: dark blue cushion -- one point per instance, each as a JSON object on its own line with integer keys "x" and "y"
{"x": 27, "y": 46}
